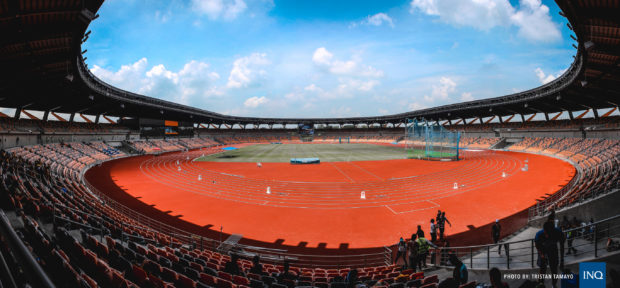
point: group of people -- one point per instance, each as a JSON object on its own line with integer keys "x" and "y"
{"x": 416, "y": 249}
{"x": 439, "y": 223}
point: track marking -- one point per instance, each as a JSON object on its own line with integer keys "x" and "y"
{"x": 414, "y": 210}
{"x": 364, "y": 170}
{"x": 345, "y": 175}
{"x": 388, "y": 207}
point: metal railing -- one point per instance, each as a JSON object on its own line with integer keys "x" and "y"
{"x": 589, "y": 241}
{"x": 28, "y": 263}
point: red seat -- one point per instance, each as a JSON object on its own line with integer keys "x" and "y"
{"x": 185, "y": 282}
{"x": 430, "y": 279}
{"x": 222, "y": 283}
{"x": 419, "y": 275}
{"x": 138, "y": 275}
{"x": 196, "y": 266}
{"x": 224, "y": 275}
{"x": 208, "y": 279}
{"x": 169, "y": 274}
{"x": 240, "y": 280}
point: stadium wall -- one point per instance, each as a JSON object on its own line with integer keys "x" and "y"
{"x": 599, "y": 208}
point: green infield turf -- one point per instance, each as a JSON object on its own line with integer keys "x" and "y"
{"x": 420, "y": 153}
{"x": 325, "y": 152}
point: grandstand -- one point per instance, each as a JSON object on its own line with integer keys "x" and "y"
{"x": 61, "y": 228}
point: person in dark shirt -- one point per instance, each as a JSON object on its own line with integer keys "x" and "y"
{"x": 401, "y": 251}
{"x": 546, "y": 242}
{"x": 419, "y": 232}
{"x": 232, "y": 267}
{"x": 442, "y": 225}
{"x": 496, "y": 230}
{"x": 460, "y": 270}
{"x": 496, "y": 278}
{"x": 351, "y": 280}
{"x": 257, "y": 268}
{"x": 286, "y": 274}
{"x": 412, "y": 248}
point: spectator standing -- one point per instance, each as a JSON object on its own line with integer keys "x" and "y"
{"x": 570, "y": 237}
{"x": 433, "y": 231}
{"x": 442, "y": 225}
{"x": 420, "y": 232}
{"x": 496, "y": 230}
{"x": 401, "y": 251}
{"x": 412, "y": 248}
{"x": 423, "y": 248}
{"x": 546, "y": 242}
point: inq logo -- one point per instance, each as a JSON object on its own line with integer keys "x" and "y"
{"x": 592, "y": 274}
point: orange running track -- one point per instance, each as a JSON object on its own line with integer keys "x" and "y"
{"x": 321, "y": 203}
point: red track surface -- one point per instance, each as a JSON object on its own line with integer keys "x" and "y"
{"x": 321, "y": 203}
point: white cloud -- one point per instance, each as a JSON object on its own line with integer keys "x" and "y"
{"x": 531, "y": 17}
{"x": 442, "y": 91}
{"x": 194, "y": 80}
{"x": 378, "y": 20}
{"x": 466, "y": 96}
{"x": 544, "y": 78}
{"x": 254, "y": 102}
{"x": 343, "y": 111}
{"x": 247, "y": 70}
{"x": 324, "y": 59}
{"x": 416, "y": 106}
{"x": 215, "y": 9}
{"x": 375, "y": 20}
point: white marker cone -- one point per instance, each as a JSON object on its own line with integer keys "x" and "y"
{"x": 268, "y": 190}
{"x": 456, "y": 186}
{"x": 363, "y": 195}
{"x": 504, "y": 174}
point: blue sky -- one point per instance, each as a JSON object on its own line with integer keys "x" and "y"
{"x": 327, "y": 58}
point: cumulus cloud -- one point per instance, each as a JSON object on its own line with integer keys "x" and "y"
{"x": 378, "y": 20}
{"x": 466, "y": 96}
{"x": 544, "y": 78}
{"x": 254, "y": 102}
{"x": 216, "y": 9}
{"x": 442, "y": 91}
{"x": 247, "y": 70}
{"x": 325, "y": 60}
{"x": 194, "y": 80}
{"x": 531, "y": 17}
{"x": 375, "y": 20}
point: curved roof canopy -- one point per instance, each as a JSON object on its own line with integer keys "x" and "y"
{"x": 41, "y": 68}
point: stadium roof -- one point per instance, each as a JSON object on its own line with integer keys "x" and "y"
{"x": 41, "y": 68}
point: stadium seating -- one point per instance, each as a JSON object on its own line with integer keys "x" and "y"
{"x": 111, "y": 249}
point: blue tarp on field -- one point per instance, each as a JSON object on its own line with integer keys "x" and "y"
{"x": 229, "y": 148}
{"x": 305, "y": 161}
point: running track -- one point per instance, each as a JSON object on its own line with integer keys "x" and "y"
{"x": 321, "y": 203}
